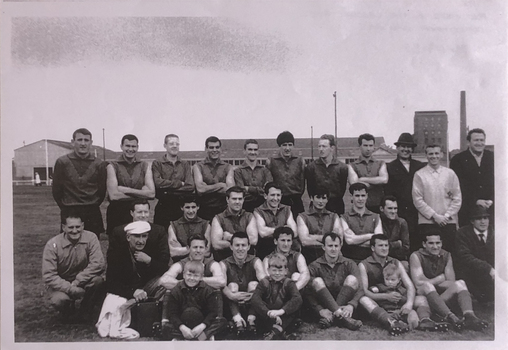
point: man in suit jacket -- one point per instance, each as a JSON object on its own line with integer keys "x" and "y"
{"x": 400, "y": 184}
{"x": 474, "y": 260}
{"x": 475, "y": 169}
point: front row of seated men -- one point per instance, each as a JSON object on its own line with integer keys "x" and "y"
{"x": 267, "y": 295}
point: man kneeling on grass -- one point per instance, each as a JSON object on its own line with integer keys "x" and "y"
{"x": 193, "y": 307}
{"x": 276, "y": 300}
{"x": 72, "y": 265}
{"x": 390, "y": 294}
{"x": 335, "y": 289}
{"x": 433, "y": 275}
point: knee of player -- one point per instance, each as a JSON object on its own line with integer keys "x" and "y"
{"x": 368, "y": 303}
{"x": 351, "y": 281}
{"x": 233, "y": 287}
{"x": 460, "y": 285}
{"x": 318, "y": 284}
{"x": 252, "y": 286}
{"x": 426, "y": 288}
{"x": 295, "y": 276}
{"x": 420, "y": 300}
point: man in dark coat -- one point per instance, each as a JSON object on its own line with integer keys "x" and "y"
{"x": 400, "y": 184}
{"x": 475, "y": 169}
{"x": 474, "y": 260}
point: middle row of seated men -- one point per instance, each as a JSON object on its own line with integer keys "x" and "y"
{"x": 244, "y": 244}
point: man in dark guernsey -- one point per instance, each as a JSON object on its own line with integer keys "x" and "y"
{"x": 212, "y": 177}
{"x": 127, "y": 179}
{"x": 172, "y": 177}
{"x": 288, "y": 171}
{"x": 79, "y": 182}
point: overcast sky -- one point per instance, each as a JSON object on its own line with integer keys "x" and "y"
{"x": 249, "y": 70}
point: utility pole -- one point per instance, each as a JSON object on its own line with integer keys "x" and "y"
{"x": 311, "y": 143}
{"x": 335, "y": 105}
{"x": 103, "y": 144}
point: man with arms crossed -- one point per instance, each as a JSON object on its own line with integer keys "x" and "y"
{"x": 433, "y": 275}
{"x": 79, "y": 182}
{"x": 233, "y": 219}
{"x": 128, "y": 179}
{"x": 212, "y": 178}
{"x": 252, "y": 176}
{"x": 288, "y": 171}
{"x": 269, "y": 216}
{"x": 329, "y": 173}
{"x": 172, "y": 178}
{"x": 369, "y": 171}
{"x": 437, "y": 197}
{"x": 314, "y": 223}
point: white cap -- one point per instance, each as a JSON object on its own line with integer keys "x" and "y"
{"x": 137, "y": 227}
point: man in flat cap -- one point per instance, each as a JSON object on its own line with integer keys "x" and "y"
{"x": 288, "y": 172}
{"x": 133, "y": 268}
{"x": 474, "y": 258}
{"x": 400, "y": 185}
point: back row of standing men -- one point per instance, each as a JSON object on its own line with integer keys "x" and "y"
{"x": 426, "y": 196}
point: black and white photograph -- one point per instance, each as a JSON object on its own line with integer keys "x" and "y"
{"x": 228, "y": 171}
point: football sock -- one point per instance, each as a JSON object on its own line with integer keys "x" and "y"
{"x": 437, "y": 304}
{"x": 326, "y": 299}
{"x": 464, "y": 300}
{"x": 380, "y": 315}
{"x": 346, "y": 294}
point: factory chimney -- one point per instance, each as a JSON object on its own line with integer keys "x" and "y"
{"x": 463, "y": 121}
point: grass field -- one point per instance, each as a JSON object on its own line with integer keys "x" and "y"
{"x": 36, "y": 220}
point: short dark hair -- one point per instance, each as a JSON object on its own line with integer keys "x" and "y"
{"x": 168, "y": 136}
{"x": 475, "y": 131}
{"x": 333, "y": 236}
{"x": 272, "y": 185}
{"x": 431, "y": 232}
{"x": 139, "y": 201}
{"x": 236, "y": 189}
{"x": 283, "y": 230}
{"x": 330, "y": 138}
{"x": 190, "y": 198}
{"x": 81, "y": 131}
{"x": 321, "y": 191}
{"x": 366, "y": 137}
{"x": 212, "y": 139}
{"x": 250, "y": 141}
{"x": 241, "y": 235}
{"x": 196, "y": 237}
{"x": 433, "y": 146}
{"x": 129, "y": 137}
{"x": 285, "y": 137}
{"x": 357, "y": 186}
{"x": 379, "y": 236}
{"x": 387, "y": 198}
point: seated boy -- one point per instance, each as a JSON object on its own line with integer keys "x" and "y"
{"x": 276, "y": 300}
{"x": 193, "y": 308}
{"x": 393, "y": 283}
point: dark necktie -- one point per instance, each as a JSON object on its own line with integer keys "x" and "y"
{"x": 482, "y": 238}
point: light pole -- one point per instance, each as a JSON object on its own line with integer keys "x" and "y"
{"x": 335, "y": 105}
{"x": 103, "y": 144}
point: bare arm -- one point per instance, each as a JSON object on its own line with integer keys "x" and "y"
{"x": 252, "y": 231}
{"x": 201, "y": 186}
{"x": 352, "y": 177}
{"x": 260, "y": 270}
{"x": 230, "y": 178}
{"x": 218, "y": 280}
{"x": 381, "y": 179}
{"x": 291, "y": 223}
{"x": 411, "y": 291}
{"x": 168, "y": 280}
{"x": 303, "y": 269}
{"x": 417, "y": 274}
{"x": 114, "y": 192}
{"x": 175, "y": 248}
{"x": 350, "y": 237}
{"x": 218, "y": 237}
{"x": 449, "y": 272}
{"x": 263, "y": 230}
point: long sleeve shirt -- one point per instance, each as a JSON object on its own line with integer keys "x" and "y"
{"x": 202, "y": 297}
{"x": 64, "y": 263}
{"x": 168, "y": 178}
{"x": 436, "y": 191}
{"x": 276, "y": 295}
{"x": 79, "y": 181}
